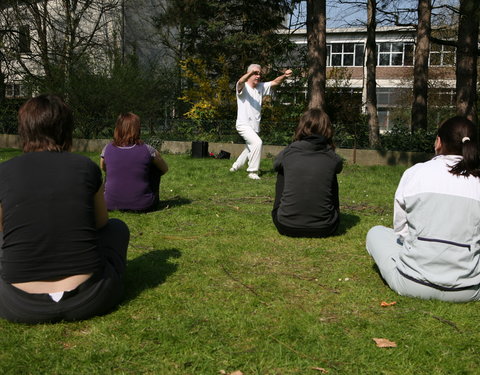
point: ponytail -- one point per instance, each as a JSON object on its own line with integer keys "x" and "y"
{"x": 458, "y": 136}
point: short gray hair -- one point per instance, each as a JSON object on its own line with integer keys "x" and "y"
{"x": 252, "y": 67}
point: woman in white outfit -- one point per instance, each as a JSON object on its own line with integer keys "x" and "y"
{"x": 433, "y": 251}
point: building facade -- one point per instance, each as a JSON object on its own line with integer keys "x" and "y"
{"x": 394, "y": 71}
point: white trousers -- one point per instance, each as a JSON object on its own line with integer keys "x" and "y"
{"x": 253, "y": 149}
{"x": 384, "y": 248}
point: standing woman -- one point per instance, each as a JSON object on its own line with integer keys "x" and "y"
{"x": 133, "y": 168}
{"x": 61, "y": 258}
{"x": 306, "y": 197}
{"x": 433, "y": 251}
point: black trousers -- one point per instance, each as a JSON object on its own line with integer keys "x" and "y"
{"x": 96, "y": 296}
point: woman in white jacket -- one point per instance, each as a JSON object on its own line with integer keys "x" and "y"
{"x": 433, "y": 251}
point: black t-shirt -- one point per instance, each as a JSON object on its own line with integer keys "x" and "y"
{"x": 49, "y": 230}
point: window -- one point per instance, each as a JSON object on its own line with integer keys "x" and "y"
{"x": 441, "y": 97}
{"x": 388, "y": 99}
{"x": 394, "y": 54}
{"x": 345, "y": 54}
{"x": 15, "y": 90}
{"x": 359, "y": 54}
{"x": 442, "y": 55}
{"x": 383, "y": 119}
{"x": 24, "y": 39}
{"x": 408, "y": 55}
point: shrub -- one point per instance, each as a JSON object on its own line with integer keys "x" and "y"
{"x": 8, "y": 115}
{"x": 401, "y": 139}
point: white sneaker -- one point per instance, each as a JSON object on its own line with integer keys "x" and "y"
{"x": 233, "y": 169}
{"x": 253, "y": 176}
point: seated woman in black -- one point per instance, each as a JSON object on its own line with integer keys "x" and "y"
{"x": 61, "y": 258}
{"x": 306, "y": 197}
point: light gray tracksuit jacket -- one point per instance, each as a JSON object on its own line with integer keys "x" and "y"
{"x": 437, "y": 215}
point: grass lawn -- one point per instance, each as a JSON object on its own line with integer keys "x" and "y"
{"x": 213, "y": 288}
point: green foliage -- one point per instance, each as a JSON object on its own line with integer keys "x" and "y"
{"x": 352, "y": 134}
{"x": 400, "y": 138}
{"x": 8, "y": 115}
{"x": 243, "y": 32}
{"x": 210, "y": 98}
{"x": 98, "y": 97}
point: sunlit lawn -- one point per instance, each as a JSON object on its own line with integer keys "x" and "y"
{"x": 213, "y": 288}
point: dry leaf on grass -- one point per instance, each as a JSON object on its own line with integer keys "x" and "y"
{"x": 321, "y": 369}
{"x": 385, "y": 343}
{"x": 386, "y": 304}
{"x": 238, "y": 372}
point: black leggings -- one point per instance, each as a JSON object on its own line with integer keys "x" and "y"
{"x": 96, "y": 296}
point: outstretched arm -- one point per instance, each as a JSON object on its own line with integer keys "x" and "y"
{"x": 244, "y": 78}
{"x": 277, "y": 81}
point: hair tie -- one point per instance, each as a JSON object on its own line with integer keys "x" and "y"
{"x": 465, "y": 139}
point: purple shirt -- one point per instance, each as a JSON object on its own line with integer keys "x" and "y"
{"x": 127, "y": 184}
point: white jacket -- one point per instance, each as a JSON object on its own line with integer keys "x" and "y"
{"x": 437, "y": 217}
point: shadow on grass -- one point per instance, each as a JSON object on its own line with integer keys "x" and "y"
{"x": 8, "y": 153}
{"x": 377, "y": 271}
{"x": 347, "y": 221}
{"x": 149, "y": 270}
{"x": 268, "y": 172}
{"x": 173, "y": 202}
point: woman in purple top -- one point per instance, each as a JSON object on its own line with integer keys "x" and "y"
{"x": 132, "y": 168}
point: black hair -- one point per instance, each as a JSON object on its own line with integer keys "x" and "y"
{"x": 459, "y": 137}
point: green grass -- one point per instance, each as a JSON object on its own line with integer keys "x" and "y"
{"x": 212, "y": 286}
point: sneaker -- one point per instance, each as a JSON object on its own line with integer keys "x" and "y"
{"x": 233, "y": 169}
{"x": 253, "y": 176}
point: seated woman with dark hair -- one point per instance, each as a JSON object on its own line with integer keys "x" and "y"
{"x": 306, "y": 197}
{"x": 61, "y": 258}
{"x": 433, "y": 250}
{"x": 133, "y": 168}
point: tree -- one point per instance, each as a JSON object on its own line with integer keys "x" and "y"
{"x": 317, "y": 52}
{"x": 467, "y": 53}
{"x": 59, "y": 37}
{"x": 73, "y": 48}
{"x": 241, "y": 31}
{"x": 420, "y": 68}
{"x": 371, "y": 83}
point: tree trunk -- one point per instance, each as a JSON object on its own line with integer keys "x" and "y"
{"x": 2, "y": 86}
{"x": 467, "y": 52}
{"x": 371, "y": 81}
{"x": 420, "y": 68}
{"x": 317, "y": 52}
